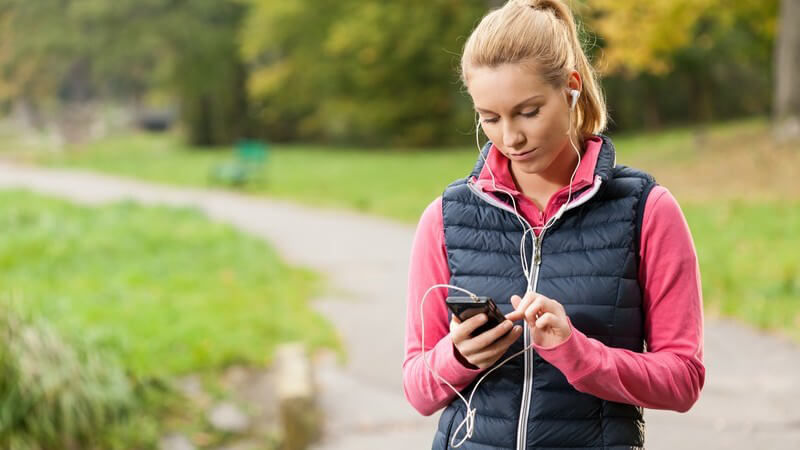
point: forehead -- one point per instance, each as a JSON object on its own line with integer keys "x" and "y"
{"x": 503, "y": 87}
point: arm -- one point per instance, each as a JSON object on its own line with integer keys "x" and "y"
{"x": 426, "y": 393}
{"x": 671, "y": 374}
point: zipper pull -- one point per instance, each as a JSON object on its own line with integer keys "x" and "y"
{"x": 537, "y": 252}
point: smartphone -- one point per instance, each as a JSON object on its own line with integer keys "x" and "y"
{"x": 466, "y": 307}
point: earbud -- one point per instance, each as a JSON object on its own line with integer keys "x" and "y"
{"x": 574, "y": 93}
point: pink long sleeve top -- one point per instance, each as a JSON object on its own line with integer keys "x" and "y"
{"x": 669, "y": 375}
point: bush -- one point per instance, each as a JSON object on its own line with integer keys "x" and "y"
{"x": 55, "y": 392}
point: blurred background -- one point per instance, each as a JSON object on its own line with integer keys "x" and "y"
{"x": 114, "y": 314}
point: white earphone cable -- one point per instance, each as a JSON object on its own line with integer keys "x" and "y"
{"x": 469, "y": 419}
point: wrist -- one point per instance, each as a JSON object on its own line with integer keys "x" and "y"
{"x": 462, "y": 360}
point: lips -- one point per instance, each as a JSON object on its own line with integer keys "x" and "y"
{"x": 521, "y": 155}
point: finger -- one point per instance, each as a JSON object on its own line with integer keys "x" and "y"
{"x": 549, "y": 305}
{"x": 491, "y": 353}
{"x": 534, "y": 310}
{"x": 465, "y": 328}
{"x": 547, "y": 320}
{"x": 515, "y": 315}
{"x": 521, "y": 305}
{"x": 485, "y": 339}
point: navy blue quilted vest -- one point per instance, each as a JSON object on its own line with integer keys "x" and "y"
{"x": 588, "y": 261}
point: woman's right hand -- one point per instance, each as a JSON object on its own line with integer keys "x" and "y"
{"x": 484, "y": 349}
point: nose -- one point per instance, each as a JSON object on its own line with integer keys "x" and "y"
{"x": 512, "y": 136}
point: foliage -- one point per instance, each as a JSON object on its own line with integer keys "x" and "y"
{"x": 368, "y": 72}
{"x": 56, "y": 392}
{"x": 643, "y": 37}
{"x": 670, "y": 59}
{"x": 207, "y": 73}
{"x": 386, "y": 73}
{"x": 382, "y": 71}
{"x": 55, "y": 51}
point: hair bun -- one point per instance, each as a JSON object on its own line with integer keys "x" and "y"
{"x": 541, "y": 5}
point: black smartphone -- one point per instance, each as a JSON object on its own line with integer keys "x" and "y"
{"x": 466, "y": 307}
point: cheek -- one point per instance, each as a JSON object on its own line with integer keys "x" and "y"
{"x": 492, "y": 131}
{"x": 551, "y": 128}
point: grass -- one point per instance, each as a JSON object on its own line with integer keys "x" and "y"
{"x": 371, "y": 181}
{"x": 399, "y": 183}
{"x": 169, "y": 290}
{"x": 748, "y": 261}
{"x": 161, "y": 291}
{"x": 738, "y": 190}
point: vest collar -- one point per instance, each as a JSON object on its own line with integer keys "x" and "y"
{"x": 600, "y": 161}
{"x": 607, "y": 159}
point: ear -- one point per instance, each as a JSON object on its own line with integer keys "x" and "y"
{"x": 574, "y": 81}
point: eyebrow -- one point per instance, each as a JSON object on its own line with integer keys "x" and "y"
{"x": 481, "y": 110}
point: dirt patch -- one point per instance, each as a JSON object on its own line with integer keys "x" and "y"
{"x": 744, "y": 165}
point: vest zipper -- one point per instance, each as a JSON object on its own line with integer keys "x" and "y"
{"x": 522, "y": 425}
{"x": 527, "y": 384}
{"x": 527, "y": 379}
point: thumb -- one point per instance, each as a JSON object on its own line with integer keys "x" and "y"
{"x": 515, "y": 299}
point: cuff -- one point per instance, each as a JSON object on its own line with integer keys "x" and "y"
{"x": 574, "y": 357}
{"x": 452, "y": 369}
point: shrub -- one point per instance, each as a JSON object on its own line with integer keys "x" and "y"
{"x": 55, "y": 392}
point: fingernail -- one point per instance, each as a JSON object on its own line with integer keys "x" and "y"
{"x": 517, "y": 328}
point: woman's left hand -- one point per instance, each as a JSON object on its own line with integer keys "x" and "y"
{"x": 546, "y": 318}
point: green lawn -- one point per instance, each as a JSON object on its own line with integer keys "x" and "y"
{"x": 738, "y": 190}
{"x": 166, "y": 288}
{"x": 395, "y": 183}
{"x": 114, "y": 301}
{"x": 370, "y": 181}
{"x": 748, "y": 261}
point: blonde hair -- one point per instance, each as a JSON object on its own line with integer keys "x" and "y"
{"x": 541, "y": 33}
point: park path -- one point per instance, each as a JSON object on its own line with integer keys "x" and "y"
{"x": 752, "y": 389}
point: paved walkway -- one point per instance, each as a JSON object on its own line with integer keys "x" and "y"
{"x": 752, "y": 386}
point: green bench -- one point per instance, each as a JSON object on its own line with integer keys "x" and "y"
{"x": 247, "y": 166}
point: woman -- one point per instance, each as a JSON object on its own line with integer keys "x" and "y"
{"x": 606, "y": 289}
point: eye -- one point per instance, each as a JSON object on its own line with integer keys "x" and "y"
{"x": 532, "y": 113}
{"x": 490, "y": 120}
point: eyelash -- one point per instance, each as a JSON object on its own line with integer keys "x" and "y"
{"x": 529, "y": 115}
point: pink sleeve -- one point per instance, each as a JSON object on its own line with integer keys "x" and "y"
{"x": 670, "y": 374}
{"x": 426, "y": 393}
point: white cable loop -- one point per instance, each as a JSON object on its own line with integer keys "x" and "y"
{"x": 469, "y": 418}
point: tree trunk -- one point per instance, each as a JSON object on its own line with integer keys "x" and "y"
{"x": 787, "y": 71}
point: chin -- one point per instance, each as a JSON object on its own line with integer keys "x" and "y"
{"x": 531, "y": 167}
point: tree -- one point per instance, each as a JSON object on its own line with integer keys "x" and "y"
{"x": 695, "y": 51}
{"x": 360, "y": 71}
{"x": 60, "y": 52}
{"x": 787, "y": 71}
